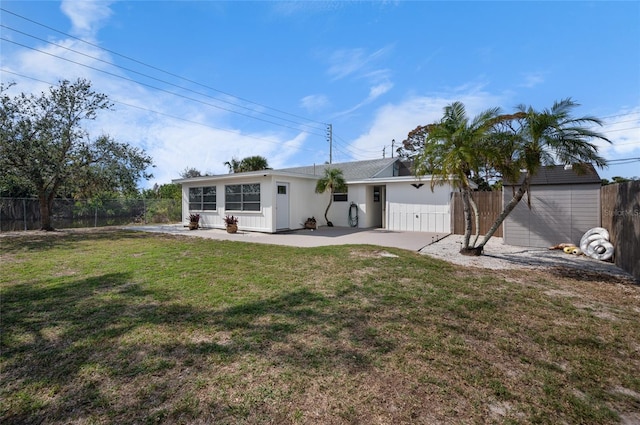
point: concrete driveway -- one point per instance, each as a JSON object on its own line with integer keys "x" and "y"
{"x": 323, "y": 236}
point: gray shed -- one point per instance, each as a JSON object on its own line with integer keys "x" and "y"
{"x": 564, "y": 205}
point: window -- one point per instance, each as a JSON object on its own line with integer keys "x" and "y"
{"x": 376, "y": 194}
{"x": 202, "y": 198}
{"x": 340, "y": 197}
{"x": 242, "y": 197}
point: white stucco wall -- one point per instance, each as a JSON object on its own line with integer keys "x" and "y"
{"x": 303, "y": 202}
{"x": 247, "y": 220}
{"x": 407, "y": 208}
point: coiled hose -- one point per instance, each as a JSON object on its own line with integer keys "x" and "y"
{"x": 353, "y": 215}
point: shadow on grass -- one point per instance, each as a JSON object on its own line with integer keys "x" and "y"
{"x": 65, "y": 340}
{"x": 37, "y": 240}
{"x": 592, "y": 276}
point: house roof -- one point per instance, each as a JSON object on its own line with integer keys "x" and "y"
{"x": 354, "y": 170}
{"x": 561, "y": 174}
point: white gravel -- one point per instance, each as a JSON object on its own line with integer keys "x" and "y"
{"x": 499, "y": 256}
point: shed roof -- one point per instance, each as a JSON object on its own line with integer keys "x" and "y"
{"x": 561, "y": 174}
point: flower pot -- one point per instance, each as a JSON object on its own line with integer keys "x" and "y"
{"x": 232, "y": 228}
{"x": 193, "y": 225}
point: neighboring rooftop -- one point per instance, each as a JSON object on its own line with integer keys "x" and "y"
{"x": 563, "y": 174}
{"x": 355, "y": 170}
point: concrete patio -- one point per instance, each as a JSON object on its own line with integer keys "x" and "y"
{"x": 323, "y": 236}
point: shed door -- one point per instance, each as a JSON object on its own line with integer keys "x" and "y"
{"x": 558, "y": 214}
{"x": 282, "y": 206}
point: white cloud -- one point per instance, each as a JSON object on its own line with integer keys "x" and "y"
{"x": 196, "y": 137}
{"x": 315, "y": 102}
{"x": 349, "y": 62}
{"x": 623, "y": 129}
{"x": 299, "y": 9}
{"x": 374, "y": 93}
{"x": 165, "y": 126}
{"x": 379, "y": 90}
{"x": 532, "y": 79}
{"x": 86, "y": 16}
{"x": 395, "y": 121}
{"x": 346, "y": 62}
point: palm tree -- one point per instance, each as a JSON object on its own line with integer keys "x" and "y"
{"x": 234, "y": 165}
{"x": 542, "y": 138}
{"x": 453, "y": 150}
{"x": 254, "y": 163}
{"x": 333, "y": 181}
{"x": 250, "y": 163}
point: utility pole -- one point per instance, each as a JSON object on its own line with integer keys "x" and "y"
{"x": 384, "y": 148}
{"x": 393, "y": 142}
{"x": 330, "y": 140}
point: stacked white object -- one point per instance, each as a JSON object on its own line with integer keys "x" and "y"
{"x": 595, "y": 244}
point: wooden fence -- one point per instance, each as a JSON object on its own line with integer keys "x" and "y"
{"x": 489, "y": 207}
{"x": 620, "y": 215}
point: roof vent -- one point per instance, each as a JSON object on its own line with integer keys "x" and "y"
{"x": 568, "y": 167}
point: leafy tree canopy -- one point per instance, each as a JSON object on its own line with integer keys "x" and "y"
{"x": 44, "y": 147}
{"x": 164, "y": 191}
{"x": 188, "y": 173}
{"x": 250, "y": 163}
{"x": 617, "y": 179}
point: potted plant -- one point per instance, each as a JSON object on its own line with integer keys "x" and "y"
{"x": 194, "y": 220}
{"x": 231, "y": 223}
{"x": 310, "y": 223}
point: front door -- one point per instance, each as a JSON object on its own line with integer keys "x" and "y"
{"x": 282, "y": 206}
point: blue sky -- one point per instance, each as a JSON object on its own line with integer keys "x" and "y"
{"x": 197, "y": 83}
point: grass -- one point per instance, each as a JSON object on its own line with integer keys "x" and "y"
{"x": 110, "y": 327}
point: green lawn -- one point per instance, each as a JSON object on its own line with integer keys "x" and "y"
{"x": 120, "y": 327}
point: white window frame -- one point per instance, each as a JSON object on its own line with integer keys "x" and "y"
{"x": 248, "y": 199}
{"x": 203, "y": 203}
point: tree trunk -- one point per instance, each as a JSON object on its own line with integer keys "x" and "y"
{"x": 46, "y": 204}
{"x": 469, "y": 204}
{"x": 517, "y": 197}
{"x": 467, "y": 218}
{"x": 326, "y": 212}
{"x": 477, "y": 217}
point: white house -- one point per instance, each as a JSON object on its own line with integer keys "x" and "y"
{"x": 382, "y": 193}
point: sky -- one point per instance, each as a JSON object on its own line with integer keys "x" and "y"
{"x": 196, "y": 84}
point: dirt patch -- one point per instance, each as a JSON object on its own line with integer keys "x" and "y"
{"x": 498, "y": 256}
{"x": 372, "y": 254}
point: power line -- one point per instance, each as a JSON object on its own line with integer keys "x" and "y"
{"x": 619, "y": 122}
{"x": 167, "y": 115}
{"x": 156, "y": 68}
{"x": 148, "y": 76}
{"x": 621, "y": 115}
{"x": 155, "y": 88}
{"x": 623, "y": 160}
{"x": 622, "y": 129}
